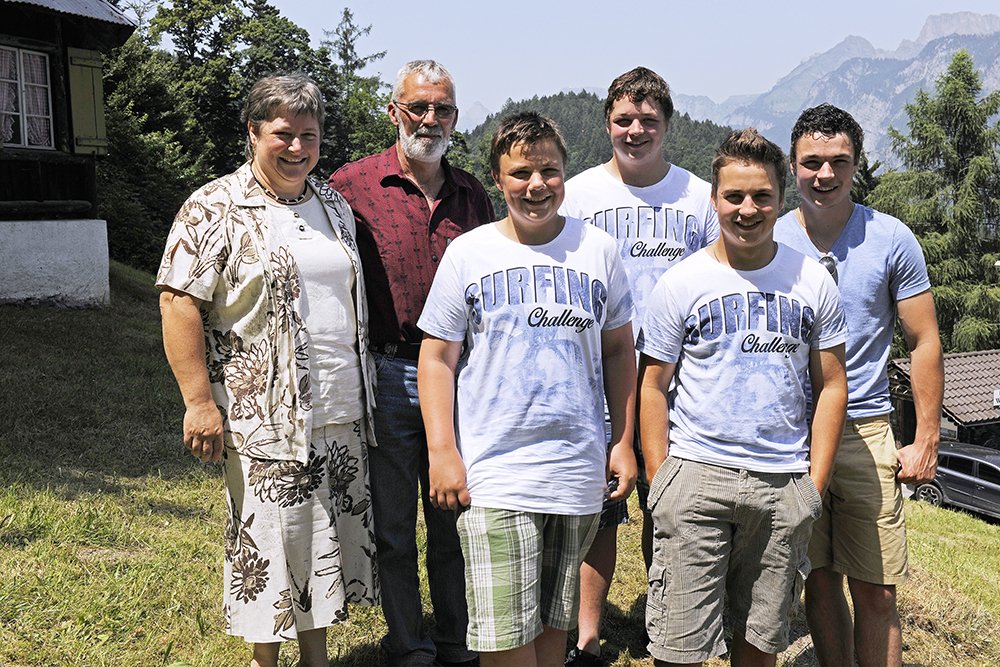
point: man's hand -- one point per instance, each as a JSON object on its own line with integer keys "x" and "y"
{"x": 917, "y": 463}
{"x": 622, "y": 465}
{"x": 436, "y": 387}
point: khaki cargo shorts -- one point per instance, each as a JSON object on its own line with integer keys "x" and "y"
{"x": 862, "y": 532}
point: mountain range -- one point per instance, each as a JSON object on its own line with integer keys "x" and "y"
{"x": 874, "y": 85}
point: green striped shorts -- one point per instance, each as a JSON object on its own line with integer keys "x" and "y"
{"x": 522, "y": 569}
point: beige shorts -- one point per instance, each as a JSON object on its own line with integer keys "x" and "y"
{"x": 862, "y": 532}
{"x": 725, "y": 537}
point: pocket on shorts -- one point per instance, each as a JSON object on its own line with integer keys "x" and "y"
{"x": 661, "y": 480}
{"x": 810, "y": 495}
{"x": 877, "y": 437}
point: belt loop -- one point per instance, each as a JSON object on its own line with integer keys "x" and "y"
{"x": 390, "y": 351}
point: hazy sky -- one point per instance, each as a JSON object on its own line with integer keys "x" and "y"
{"x": 520, "y": 48}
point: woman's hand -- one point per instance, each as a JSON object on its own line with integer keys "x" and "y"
{"x": 203, "y": 431}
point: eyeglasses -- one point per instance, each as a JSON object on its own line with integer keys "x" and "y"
{"x": 419, "y": 109}
{"x": 830, "y": 263}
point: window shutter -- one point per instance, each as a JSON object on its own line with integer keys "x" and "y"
{"x": 86, "y": 93}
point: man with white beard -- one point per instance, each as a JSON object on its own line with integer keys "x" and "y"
{"x": 409, "y": 203}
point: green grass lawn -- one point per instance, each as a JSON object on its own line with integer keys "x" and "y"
{"x": 111, "y": 534}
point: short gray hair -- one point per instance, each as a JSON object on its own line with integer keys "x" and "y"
{"x": 293, "y": 91}
{"x": 431, "y": 70}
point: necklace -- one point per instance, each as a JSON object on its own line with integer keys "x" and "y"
{"x": 281, "y": 200}
{"x": 802, "y": 223}
{"x": 715, "y": 256}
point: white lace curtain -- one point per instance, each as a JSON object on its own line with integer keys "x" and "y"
{"x": 8, "y": 96}
{"x": 34, "y": 97}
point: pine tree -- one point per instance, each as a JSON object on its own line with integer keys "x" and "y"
{"x": 949, "y": 195}
{"x": 206, "y": 35}
{"x": 360, "y": 125}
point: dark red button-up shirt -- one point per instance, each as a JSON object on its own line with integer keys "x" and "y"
{"x": 401, "y": 238}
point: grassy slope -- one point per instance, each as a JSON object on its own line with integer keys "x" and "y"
{"x": 110, "y": 536}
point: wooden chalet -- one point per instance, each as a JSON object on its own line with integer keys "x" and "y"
{"x": 971, "y": 406}
{"x": 53, "y": 246}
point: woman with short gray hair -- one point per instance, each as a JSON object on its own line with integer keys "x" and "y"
{"x": 264, "y": 326}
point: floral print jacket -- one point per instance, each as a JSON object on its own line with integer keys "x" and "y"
{"x": 257, "y": 344}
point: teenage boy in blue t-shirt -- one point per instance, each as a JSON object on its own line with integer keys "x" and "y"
{"x": 881, "y": 273}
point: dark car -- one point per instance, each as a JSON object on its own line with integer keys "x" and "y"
{"x": 968, "y": 476}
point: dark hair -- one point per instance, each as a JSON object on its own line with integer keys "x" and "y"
{"x": 636, "y": 85}
{"x": 748, "y": 146}
{"x": 293, "y": 91}
{"x": 527, "y": 127}
{"x": 829, "y": 121}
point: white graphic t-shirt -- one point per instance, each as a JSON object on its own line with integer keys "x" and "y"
{"x": 742, "y": 341}
{"x": 656, "y": 226}
{"x": 529, "y": 402}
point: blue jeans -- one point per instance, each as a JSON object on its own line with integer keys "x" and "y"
{"x": 396, "y": 465}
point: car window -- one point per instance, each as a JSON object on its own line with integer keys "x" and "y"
{"x": 944, "y": 461}
{"x": 962, "y": 465}
{"x": 988, "y": 473}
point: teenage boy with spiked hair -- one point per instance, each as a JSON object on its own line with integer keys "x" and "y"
{"x": 542, "y": 304}
{"x": 733, "y": 340}
{"x": 659, "y": 213}
{"x": 881, "y": 274}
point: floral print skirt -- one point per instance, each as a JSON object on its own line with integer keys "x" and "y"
{"x": 299, "y": 539}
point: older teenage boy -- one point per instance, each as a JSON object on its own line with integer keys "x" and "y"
{"x": 660, "y": 213}
{"x": 881, "y": 272}
{"x": 543, "y": 305}
{"x": 740, "y": 328}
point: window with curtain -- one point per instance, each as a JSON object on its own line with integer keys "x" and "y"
{"x": 25, "y": 99}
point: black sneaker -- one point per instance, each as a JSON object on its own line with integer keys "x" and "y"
{"x": 577, "y": 657}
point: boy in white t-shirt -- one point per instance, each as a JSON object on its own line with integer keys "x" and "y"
{"x": 542, "y": 304}
{"x": 731, "y": 340}
{"x": 659, "y": 213}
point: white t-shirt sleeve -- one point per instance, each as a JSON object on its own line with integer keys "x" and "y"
{"x": 445, "y": 315}
{"x": 830, "y": 328}
{"x": 663, "y": 326}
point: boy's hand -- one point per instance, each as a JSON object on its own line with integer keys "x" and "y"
{"x": 622, "y": 466}
{"x": 447, "y": 481}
